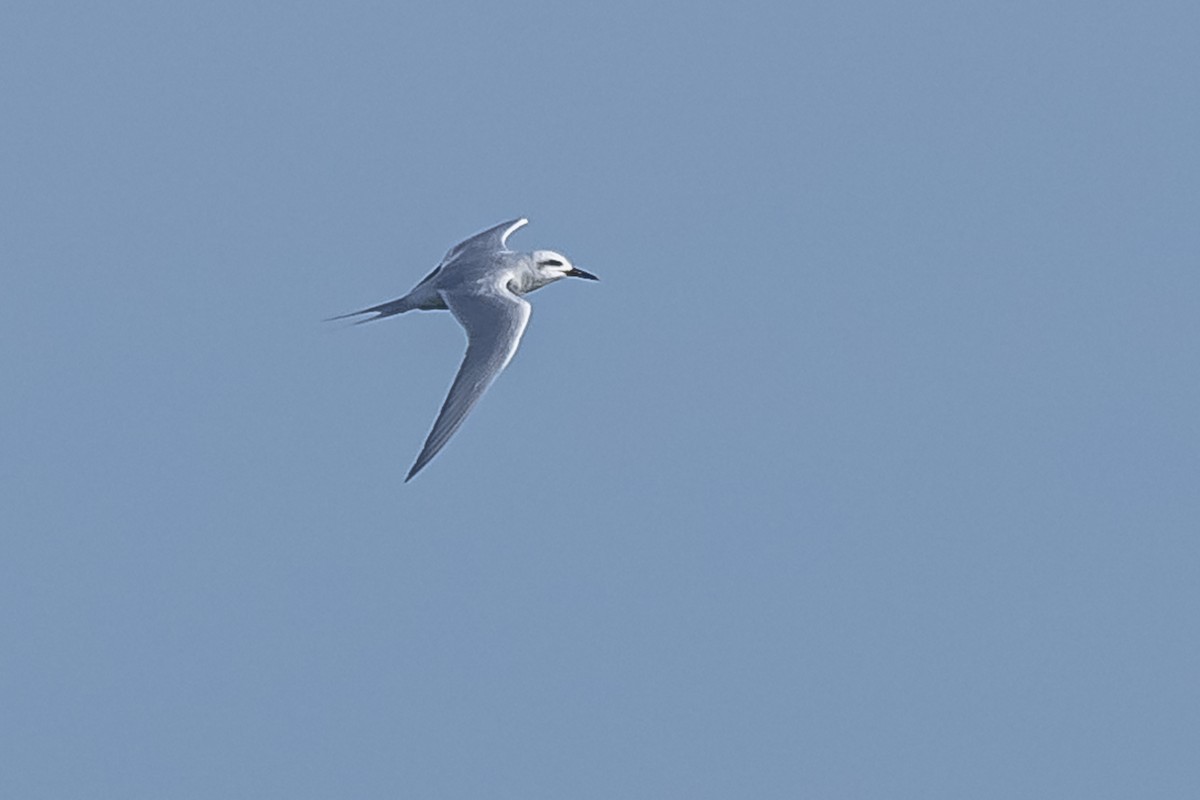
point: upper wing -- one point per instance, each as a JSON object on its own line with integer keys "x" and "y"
{"x": 494, "y": 321}
{"x": 494, "y": 240}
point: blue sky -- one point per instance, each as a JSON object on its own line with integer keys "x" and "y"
{"x": 868, "y": 470}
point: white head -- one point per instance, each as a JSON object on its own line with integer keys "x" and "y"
{"x": 551, "y": 266}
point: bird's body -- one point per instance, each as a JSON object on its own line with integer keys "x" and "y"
{"x": 482, "y": 283}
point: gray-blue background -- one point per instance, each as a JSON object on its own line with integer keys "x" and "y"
{"x": 869, "y": 470}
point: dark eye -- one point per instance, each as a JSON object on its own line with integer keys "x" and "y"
{"x": 551, "y": 262}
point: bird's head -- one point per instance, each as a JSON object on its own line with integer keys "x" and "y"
{"x": 551, "y": 266}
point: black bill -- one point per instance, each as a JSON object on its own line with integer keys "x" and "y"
{"x": 576, "y": 272}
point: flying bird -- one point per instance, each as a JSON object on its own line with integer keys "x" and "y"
{"x": 483, "y": 284}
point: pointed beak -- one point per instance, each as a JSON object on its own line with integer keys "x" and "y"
{"x": 576, "y": 272}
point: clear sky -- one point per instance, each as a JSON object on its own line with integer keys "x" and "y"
{"x": 868, "y": 470}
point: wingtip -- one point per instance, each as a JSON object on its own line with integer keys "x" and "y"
{"x": 417, "y": 467}
{"x": 513, "y": 227}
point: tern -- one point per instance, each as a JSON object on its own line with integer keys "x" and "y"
{"x": 483, "y": 284}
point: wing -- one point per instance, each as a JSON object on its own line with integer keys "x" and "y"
{"x": 494, "y": 321}
{"x": 492, "y": 240}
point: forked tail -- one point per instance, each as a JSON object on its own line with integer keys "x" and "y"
{"x": 388, "y": 309}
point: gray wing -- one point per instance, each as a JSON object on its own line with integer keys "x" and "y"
{"x": 494, "y": 320}
{"x": 493, "y": 240}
